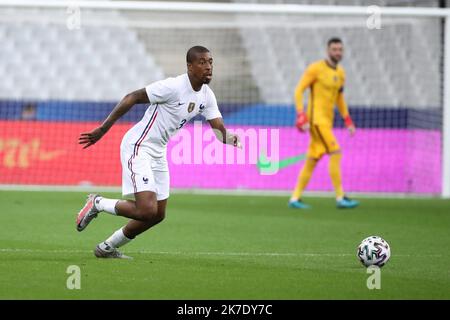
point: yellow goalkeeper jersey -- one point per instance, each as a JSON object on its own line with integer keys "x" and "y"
{"x": 326, "y": 86}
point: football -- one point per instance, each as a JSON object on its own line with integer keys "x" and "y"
{"x": 374, "y": 251}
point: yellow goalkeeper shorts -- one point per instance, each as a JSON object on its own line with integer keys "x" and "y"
{"x": 322, "y": 141}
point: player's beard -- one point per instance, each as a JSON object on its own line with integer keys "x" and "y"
{"x": 335, "y": 60}
{"x": 207, "y": 80}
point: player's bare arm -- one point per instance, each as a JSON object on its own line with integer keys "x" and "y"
{"x": 222, "y": 134}
{"x": 136, "y": 97}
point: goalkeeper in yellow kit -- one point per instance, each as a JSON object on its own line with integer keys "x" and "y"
{"x": 325, "y": 79}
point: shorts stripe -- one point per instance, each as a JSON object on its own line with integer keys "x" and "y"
{"x": 137, "y": 145}
{"x": 322, "y": 139}
{"x": 130, "y": 166}
{"x": 145, "y": 132}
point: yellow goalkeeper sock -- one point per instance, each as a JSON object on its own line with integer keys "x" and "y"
{"x": 335, "y": 174}
{"x": 303, "y": 178}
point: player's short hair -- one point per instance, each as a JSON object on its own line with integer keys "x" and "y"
{"x": 192, "y": 52}
{"x": 334, "y": 40}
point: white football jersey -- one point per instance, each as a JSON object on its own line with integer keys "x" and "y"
{"x": 173, "y": 102}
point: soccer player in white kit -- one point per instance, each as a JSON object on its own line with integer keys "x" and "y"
{"x": 145, "y": 174}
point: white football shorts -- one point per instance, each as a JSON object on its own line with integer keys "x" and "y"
{"x": 142, "y": 172}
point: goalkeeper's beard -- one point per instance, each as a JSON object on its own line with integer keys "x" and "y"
{"x": 335, "y": 60}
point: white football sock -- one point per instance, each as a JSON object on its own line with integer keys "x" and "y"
{"x": 107, "y": 205}
{"x": 117, "y": 239}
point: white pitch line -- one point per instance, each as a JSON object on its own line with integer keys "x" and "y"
{"x": 248, "y": 254}
{"x": 42, "y": 250}
{"x": 243, "y": 254}
{"x": 256, "y": 254}
{"x": 215, "y": 192}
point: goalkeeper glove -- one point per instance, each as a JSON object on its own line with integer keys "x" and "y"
{"x": 302, "y": 122}
{"x": 349, "y": 125}
{"x": 348, "y": 122}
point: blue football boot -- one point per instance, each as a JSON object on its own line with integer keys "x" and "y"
{"x": 298, "y": 204}
{"x": 347, "y": 203}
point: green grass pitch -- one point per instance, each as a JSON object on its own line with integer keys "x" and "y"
{"x": 225, "y": 247}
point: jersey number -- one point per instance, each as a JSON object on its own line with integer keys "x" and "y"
{"x": 181, "y": 124}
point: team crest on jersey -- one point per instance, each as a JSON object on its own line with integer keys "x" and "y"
{"x": 191, "y": 107}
